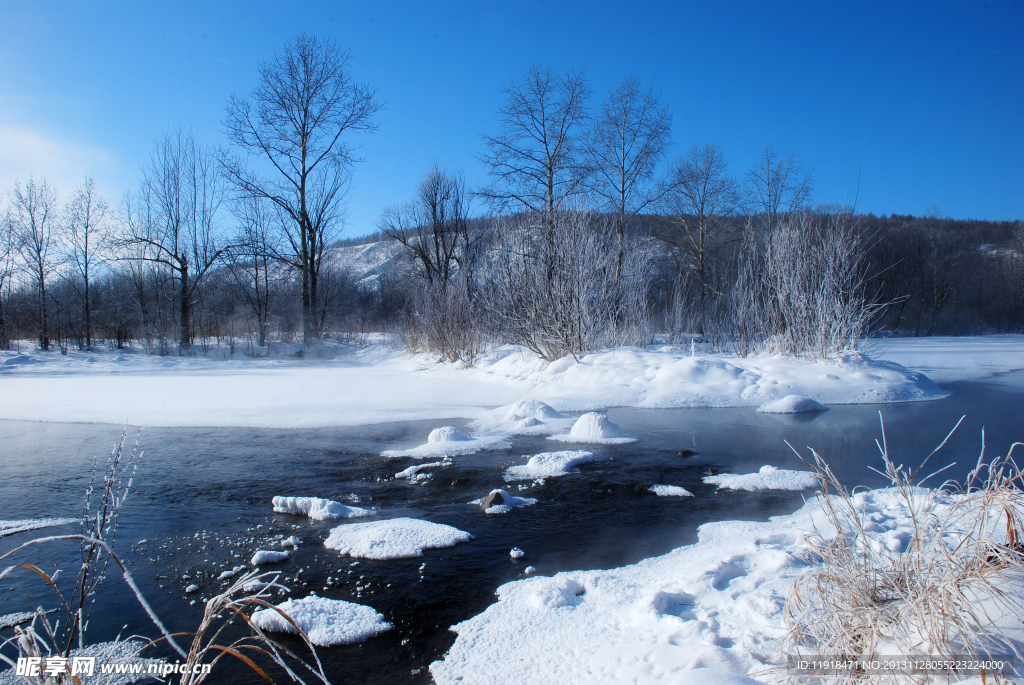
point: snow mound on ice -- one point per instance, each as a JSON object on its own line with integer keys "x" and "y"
{"x": 325, "y": 621}
{"x": 768, "y": 478}
{"x": 549, "y": 464}
{"x": 508, "y": 503}
{"x": 446, "y": 434}
{"x": 670, "y": 491}
{"x": 21, "y": 525}
{"x": 791, "y": 404}
{"x": 413, "y": 470}
{"x": 448, "y": 441}
{"x": 532, "y": 409}
{"x": 393, "y": 538}
{"x": 318, "y": 509}
{"x": 266, "y": 556}
{"x": 596, "y": 428}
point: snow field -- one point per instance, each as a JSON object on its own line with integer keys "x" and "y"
{"x": 768, "y": 478}
{"x": 595, "y": 428}
{"x": 707, "y": 613}
{"x": 384, "y": 384}
{"x": 325, "y": 622}
{"x": 393, "y": 538}
{"x": 549, "y": 465}
{"x": 318, "y": 509}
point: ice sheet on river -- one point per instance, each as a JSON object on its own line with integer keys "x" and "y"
{"x": 393, "y": 538}
{"x": 768, "y": 478}
{"x": 325, "y": 622}
{"x": 549, "y": 465}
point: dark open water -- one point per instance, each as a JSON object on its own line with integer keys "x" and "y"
{"x": 219, "y": 482}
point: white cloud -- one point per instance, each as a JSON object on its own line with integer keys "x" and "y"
{"x": 25, "y": 153}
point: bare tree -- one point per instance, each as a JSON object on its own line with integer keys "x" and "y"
{"x": 702, "y": 202}
{"x": 251, "y": 257}
{"x": 434, "y": 227}
{"x": 628, "y": 140}
{"x": 7, "y": 265}
{"x": 174, "y": 217}
{"x": 778, "y": 186}
{"x": 538, "y": 160}
{"x": 295, "y": 119}
{"x": 84, "y": 234}
{"x": 33, "y": 214}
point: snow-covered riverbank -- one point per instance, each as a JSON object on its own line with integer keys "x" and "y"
{"x": 363, "y": 385}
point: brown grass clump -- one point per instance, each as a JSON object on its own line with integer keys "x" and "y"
{"x": 943, "y": 592}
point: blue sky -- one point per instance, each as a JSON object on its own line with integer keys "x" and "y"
{"x": 925, "y": 99}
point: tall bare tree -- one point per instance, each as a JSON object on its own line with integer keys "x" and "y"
{"x": 252, "y": 255}
{"x": 7, "y": 265}
{"x": 702, "y": 199}
{"x": 84, "y": 235}
{"x": 175, "y": 217}
{"x": 628, "y": 140}
{"x": 34, "y": 215}
{"x": 538, "y": 159}
{"x": 778, "y": 187}
{"x": 434, "y": 227}
{"x": 295, "y": 119}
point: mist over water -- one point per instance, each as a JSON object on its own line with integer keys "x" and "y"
{"x": 219, "y": 483}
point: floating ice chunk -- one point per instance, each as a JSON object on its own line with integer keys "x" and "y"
{"x": 21, "y": 525}
{"x": 500, "y": 502}
{"x": 415, "y": 469}
{"x": 318, "y": 509}
{"x": 768, "y": 478}
{"x": 290, "y": 541}
{"x": 448, "y": 441}
{"x": 190, "y": 589}
{"x": 393, "y": 538}
{"x": 529, "y": 570}
{"x": 325, "y": 621}
{"x": 595, "y": 428}
{"x": 226, "y": 574}
{"x": 670, "y": 491}
{"x": 517, "y": 553}
{"x": 11, "y": 620}
{"x": 791, "y": 404}
{"x": 532, "y": 409}
{"x": 549, "y": 464}
{"x": 266, "y": 556}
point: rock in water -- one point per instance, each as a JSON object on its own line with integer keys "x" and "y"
{"x": 492, "y": 500}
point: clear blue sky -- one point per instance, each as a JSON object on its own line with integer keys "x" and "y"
{"x": 925, "y": 98}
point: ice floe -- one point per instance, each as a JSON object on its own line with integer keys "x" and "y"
{"x": 768, "y": 478}
{"x": 448, "y": 441}
{"x": 500, "y": 502}
{"x": 791, "y": 404}
{"x": 670, "y": 491}
{"x": 393, "y": 538}
{"x": 549, "y": 465}
{"x": 21, "y": 525}
{"x": 318, "y": 509}
{"x": 266, "y": 556}
{"x": 595, "y": 428}
{"x": 414, "y": 473}
{"x": 325, "y": 621}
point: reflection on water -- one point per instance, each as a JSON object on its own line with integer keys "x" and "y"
{"x": 221, "y": 480}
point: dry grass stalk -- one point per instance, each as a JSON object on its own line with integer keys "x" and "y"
{"x": 943, "y": 593}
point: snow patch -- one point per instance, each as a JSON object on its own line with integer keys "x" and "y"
{"x": 325, "y": 621}
{"x": 549, "y": 465}
{"x": 768, "y": 478}
{"x": 393, "y": 538}
{"x": 318, "y": 509}
{"x": 791, "y": 404}
{"x": 266, "y": 556}
{"x": 595, "y": 428}
{"x": 670, "y": 491}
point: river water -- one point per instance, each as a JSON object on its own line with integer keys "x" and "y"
{"x": 218, "y": 483}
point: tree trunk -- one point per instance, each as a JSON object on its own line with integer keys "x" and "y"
{"x": 184, "y": 342}
{"x": 44, "y": 338}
